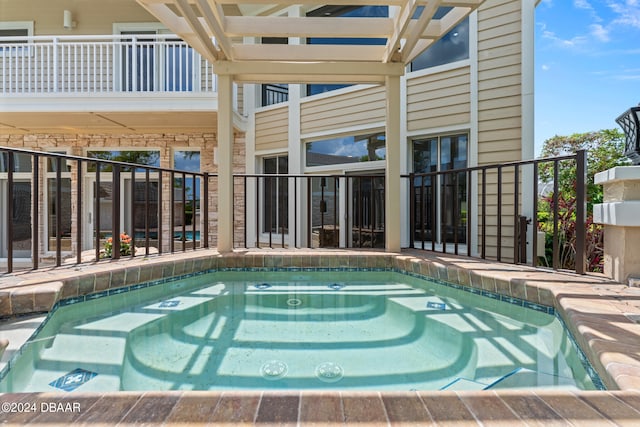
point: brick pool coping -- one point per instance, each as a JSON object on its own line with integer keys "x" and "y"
{"x": 599, "y": 313}
{"x": 331, "y": 408}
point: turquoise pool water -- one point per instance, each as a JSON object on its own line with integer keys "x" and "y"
{"x": 297, "y": 330}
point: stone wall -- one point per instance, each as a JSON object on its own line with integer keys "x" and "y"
{"x": 165, "y": 143}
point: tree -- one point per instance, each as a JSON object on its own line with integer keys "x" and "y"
{"x": 605, "y": 150}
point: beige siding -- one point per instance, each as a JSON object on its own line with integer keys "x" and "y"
{"x": 441, "y": 99}
{"x": 500, "y": 111}
{"x": 351, "y": 109}
{"x": 92, "y": 17}
{"x": 272, "y": 129}
{"x": 499, "y": 81}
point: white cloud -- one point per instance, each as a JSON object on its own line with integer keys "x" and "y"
{"x": 566, "y": 43}
{"x": 582, "y": 4}
{"x": 599, "y": 32}
{"x": 545, "y": 67}
{"x": 628, "y": 12}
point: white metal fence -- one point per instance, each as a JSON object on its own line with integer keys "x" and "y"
{"x": 94, "y": 64}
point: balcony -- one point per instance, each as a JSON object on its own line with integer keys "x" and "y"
{"x": 102, "y": 64}
{"x": 105, "y": 84}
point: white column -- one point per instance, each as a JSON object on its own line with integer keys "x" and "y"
{"x": 393, "y": 211}
{"x": 225, "y": 163}
{"x": 528, "y": 108}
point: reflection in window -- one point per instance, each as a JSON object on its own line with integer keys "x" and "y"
{"x": 186, "y": 196}
{"x": 348, "y": 149}
{"x": 147, "y": 158}
{"x": 452, "y": 47}
{"x": 276, "y": 195}
{"x": 346, "y": 12}
{"x": 449, "y": 192}
{"x": 64, "y": 211}
{"x": 21, "y": 162}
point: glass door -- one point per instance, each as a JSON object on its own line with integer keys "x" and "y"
{"x": 366, "y": 210}
{"x": 20, "y": 221}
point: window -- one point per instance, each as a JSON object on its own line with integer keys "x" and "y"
{"x": 186, "y": 196}
{"x": 347, "y": 12}
{"x": 148, "y": 158}
{"x": 440, "y": 196}
{"x": 21, "y": 162}
{"x": 64, "y": 210}
{"x": 18, "y": 33}
{"x": 149, "y": 61}
{"x": 276, "y": 195}
{"x": 348, "y": 149}
{"x": 452, "y": 47}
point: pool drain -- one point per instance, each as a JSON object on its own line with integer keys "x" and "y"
{"x": 274, "y": 369}
{"x": 329, "y": 372}
{"x": 294, "y": 302}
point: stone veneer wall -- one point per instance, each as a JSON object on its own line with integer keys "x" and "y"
{"x": 166, "y": 143}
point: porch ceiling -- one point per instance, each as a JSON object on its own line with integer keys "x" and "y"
{"x": 228, "y": 32}
{"x": 107, "y": 122}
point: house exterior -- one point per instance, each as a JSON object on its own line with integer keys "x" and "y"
{"x": 111, "y": 80}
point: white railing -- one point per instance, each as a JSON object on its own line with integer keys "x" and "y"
{"x": 97, "y": 64}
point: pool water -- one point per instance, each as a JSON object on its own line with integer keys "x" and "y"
{"x": 307, "y": 330}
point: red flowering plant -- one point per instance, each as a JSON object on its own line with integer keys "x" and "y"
{"x": 125, "y": 245}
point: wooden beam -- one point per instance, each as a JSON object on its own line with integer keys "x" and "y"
{"x": 401, "y": 23}
{"x": 307, "y": 53}
{"x": 421, "y": 25}
{"x": 312, "y": 72}
{"x": 214, "y": 20}
{"x": 317, "y": 3}
{"x": 199, "y": 33}
{"x": 179, "y": 26}
{"x": 447, "y": 23}
{"x": 278, "y": 26}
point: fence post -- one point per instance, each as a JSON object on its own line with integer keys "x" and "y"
{"x": 581, "y": 209}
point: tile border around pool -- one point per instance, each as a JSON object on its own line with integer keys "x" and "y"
{"x": 481, "y": 292}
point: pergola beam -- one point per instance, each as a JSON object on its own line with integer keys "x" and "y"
{"x": 214, "y": 21}
{"x": 311, "y": 72}
{"x": 306, "y": 53}
{"x": 450, "y": 20}
{"x": 279, "y": 26}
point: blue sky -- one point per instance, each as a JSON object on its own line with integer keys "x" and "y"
{"x": 587, "y": 65}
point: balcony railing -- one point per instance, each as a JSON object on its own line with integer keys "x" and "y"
{"x": 99, "y": 64}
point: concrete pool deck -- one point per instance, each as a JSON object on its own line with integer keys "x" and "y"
{"x": 602, "y": 316}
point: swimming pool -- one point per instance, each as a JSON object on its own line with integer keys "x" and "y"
{"x": 297, "y": 330}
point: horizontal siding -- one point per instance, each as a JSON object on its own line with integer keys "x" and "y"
{"x": 361, "y": 107}
{"x": 436, "y": 100}
{"x": 499, "y": 81}
{"x": 500, "y": 111}
{"x": 272, "y": 129}
{"x": 93, "y": 17}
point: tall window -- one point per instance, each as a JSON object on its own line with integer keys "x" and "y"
{"x": 186, "y": 196}
{"x": 347, "y": 12}
{"x": 452, "y": 47}
{"x": 276, "y": 195}
{"x": 53, "y": 210}
{"x": 443, "y": 196}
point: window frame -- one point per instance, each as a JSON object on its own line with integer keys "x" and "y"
{"x": 17, "y": 25}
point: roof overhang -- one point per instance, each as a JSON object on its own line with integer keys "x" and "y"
{"x": 229, "y": 32}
